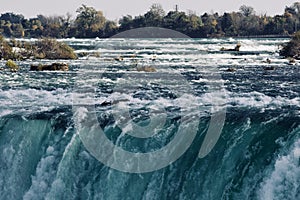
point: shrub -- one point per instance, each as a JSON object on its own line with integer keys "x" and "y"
{"x": 5, "y": 49}
{"x": 42, "y": 49}
{"x": 52, "y": 49}
{"x": 12, "y": 65}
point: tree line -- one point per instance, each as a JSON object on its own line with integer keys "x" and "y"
{"x": 91, "y": 23}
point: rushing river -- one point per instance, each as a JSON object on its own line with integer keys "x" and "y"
{"x": 205, "y": 125}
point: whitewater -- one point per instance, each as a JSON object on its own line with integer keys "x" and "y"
{"x": 206, "y": 125}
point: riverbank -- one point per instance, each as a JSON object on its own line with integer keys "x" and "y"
{"x": 90, "y": 23}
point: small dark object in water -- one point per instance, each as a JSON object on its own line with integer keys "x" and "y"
{"x": 106, "y": 103}
{"x": 120, "y": 58}
{"x": 292, "y": 61}
{"x": 153, "y": 58}
{"x": 267, "y": 61}
{"x": 109, "y": 103}
{"x": 269, "y": 68}
{"x": 146, "y": 69}
{"x": 236, "y": 48}
{"x": 52, "y": 67}
{"x": 231, "y": 69}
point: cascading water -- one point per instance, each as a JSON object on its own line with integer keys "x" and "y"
{"x": 257, "y": 156}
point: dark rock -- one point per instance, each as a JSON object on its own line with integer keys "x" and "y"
{"x": 52, "y": 67}
{"x": 119, "y": 59}
{"x": 236, "y": 48}
{"x": 231, "y": 69}
{"x": 291, "y": 49}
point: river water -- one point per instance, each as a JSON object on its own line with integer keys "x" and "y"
{"x": 205, "y": 125}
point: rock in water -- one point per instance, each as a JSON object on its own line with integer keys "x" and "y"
{"x": 12, "y": 66}
{"x": 146, "y": 69}
{"x": 52, "y": 67}
{"x": 291, "y": 49}
{"x": 236, "y": 48}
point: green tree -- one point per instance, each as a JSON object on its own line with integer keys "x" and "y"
{"x": 52, "y": 27}
{"x": 126, "y": 23}
{"x": 35, "y": 29}
{"x": 5, "y": 49}
{"x": 18, "y": 30}
{"x": 292, "y": 15}
{"x": 177, "y": 21}
{"x": 43, "y": 19}
{"x": 12, "y": 18}
{"x": 89, "y": 21}
{"x": 194, "y": 25}
{"x": 139, "y": 21}
{"x": 210, "y": 24}
{"x": 154, "y": 16}
{"x": 110, "y": 29}
{"x": 227, "y": 26}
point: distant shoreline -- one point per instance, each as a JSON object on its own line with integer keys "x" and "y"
{"x": 91, "y": 23}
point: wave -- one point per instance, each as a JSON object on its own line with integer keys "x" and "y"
{"x": 284, "y": 179}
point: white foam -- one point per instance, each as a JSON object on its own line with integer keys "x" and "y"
{"x": 175, "y": 52}
{"x": 259, "y": 100}
{"x": 284, "y": 180}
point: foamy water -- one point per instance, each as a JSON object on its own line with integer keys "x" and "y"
{"x": 256, "y": 156}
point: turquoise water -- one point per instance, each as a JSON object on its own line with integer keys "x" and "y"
{"x": 43, "y": 154}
